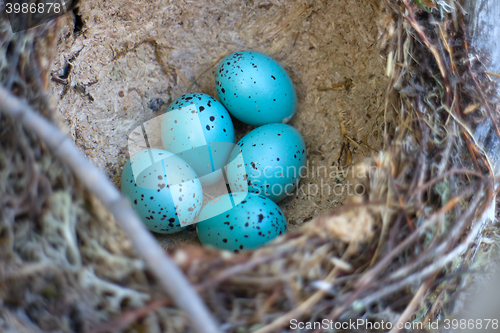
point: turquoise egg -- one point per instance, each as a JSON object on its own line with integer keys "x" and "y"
{"x": 163, "y": 189}
{"x": 198, "y": 129}
{"x": 255, "y": 88}
{"x": 269, "y": 160}
{"x": 240, "y": 221}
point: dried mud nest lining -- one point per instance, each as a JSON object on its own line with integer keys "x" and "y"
{"x": 399, "y": 252}
{"x": 131, "y": 58}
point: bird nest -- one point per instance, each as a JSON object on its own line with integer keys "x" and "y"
{"x": 402, "y": 252}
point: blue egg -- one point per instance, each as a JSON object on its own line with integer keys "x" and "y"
{"x": 163, "y": 189}
{"x": 199, "y": 129}
{"x": 255, "y": 88}
{"x": 240, "y": 221}
{"x": 269, "y": 160}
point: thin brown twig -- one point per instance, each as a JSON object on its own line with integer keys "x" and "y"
{"x": 424, "y": 273}
{"x": 434, "y": 307}
{"x": 127, "y": 318}
{"x": 451, "y": 237}
{"x": 417, "y": 298}
{"x": 234, "y": 270}
{"x": 307, "y": 304}
{"x": 168, "y": 273}
{"x": 382, "y": 264}
{"x": 368, "y": 277}
{"x": 493, "y": 74}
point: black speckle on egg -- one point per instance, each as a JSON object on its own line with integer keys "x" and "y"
{"x": 208, "y": 127}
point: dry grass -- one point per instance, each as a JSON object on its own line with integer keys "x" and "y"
{"x": 400, "y": 252}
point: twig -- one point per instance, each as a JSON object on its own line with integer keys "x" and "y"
{"x": 370, "y": 276}
{"x": 437, "y": 56}
{"x": 426, "y": 272}
{"x": 435, "y": 305}
{"x": 357, "y": 144}
{"x": 493, "y": 74}
{"x": 124, "y": 320}
{"x": 307, "y": 304}
{"x": 234, "y": 270}
{"x": 437, "y": 251}
{"x": 410, "y": 309}
{"x": 167, "y": 272}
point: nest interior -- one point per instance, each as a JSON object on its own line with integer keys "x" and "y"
{"x": 402, "y": 251}
{"x": 128, "y": 60}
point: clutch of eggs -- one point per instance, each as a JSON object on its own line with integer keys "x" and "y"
{"x": 197, "y": 134}
{"x": 164, "y": 190}
{"x": 199, "y": 129}
{"x": 255, "y": 88}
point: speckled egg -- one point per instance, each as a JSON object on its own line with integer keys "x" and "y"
{"x": 255, "y": 88}
{"x": 240, "y": 221}
{"x": 199, "y": 129}
{"x": 268, "y": 160}
{"x": 164, "y": 190}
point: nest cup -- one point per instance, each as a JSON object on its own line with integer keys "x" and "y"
{"x": 392, "y": 215}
